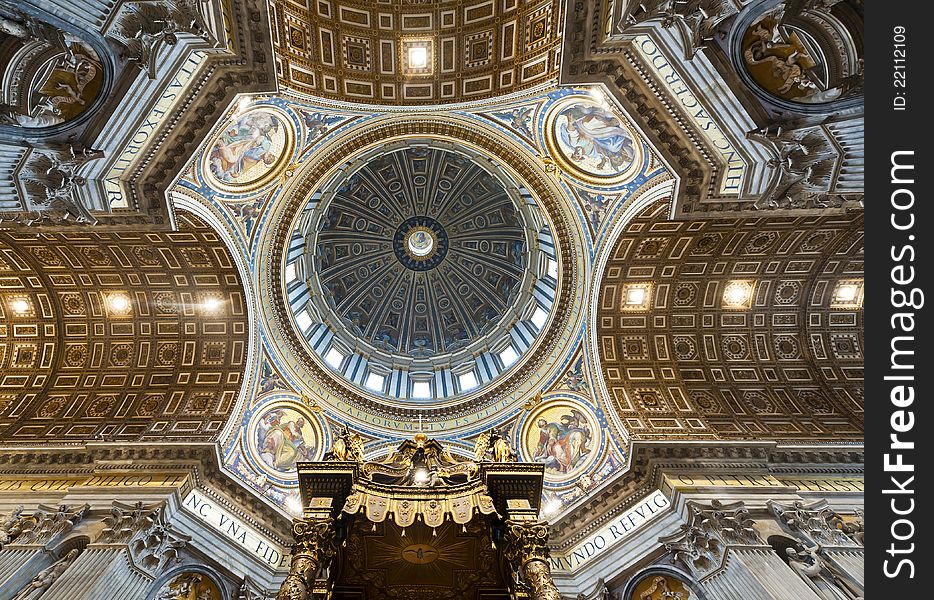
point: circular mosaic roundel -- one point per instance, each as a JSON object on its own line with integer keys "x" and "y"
{"x": 591, "y": 141}
{"x": 250, "y": 150}
{"x": 282, "y": 435}
{"x": 564, "y": 436}
{"x": 420, "y": 243}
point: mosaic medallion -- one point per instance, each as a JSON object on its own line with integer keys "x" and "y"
{"x": 282, "y": 435}
{"x": 564, "y": 436}
{"x": 250, "y": 151}
{"x": 190, "y": 586}
{"x": 591, "y": 141}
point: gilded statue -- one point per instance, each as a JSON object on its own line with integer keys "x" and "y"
{"x": 347, "y": 447}
{"x": 421, "y": 462}
{"x": 496, "y": 443}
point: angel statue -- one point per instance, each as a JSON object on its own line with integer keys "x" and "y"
{"x": 497, "y": 443}
{"x": 12, "y": 526}
{"x": 347, "y": 447}
{"x": 46, "y": 577}
{"x": 823, "y": 579}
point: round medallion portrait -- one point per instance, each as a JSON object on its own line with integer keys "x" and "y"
{"x": 591, "y": 141}
{"x": 189, "y": 586}
{"x": 250, "y": 150}
{"x": 564, "y": 436}
{"x": 281, "y": 436}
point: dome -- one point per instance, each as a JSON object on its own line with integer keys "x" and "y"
{"x": 428, "y": 271}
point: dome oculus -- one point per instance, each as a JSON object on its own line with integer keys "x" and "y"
{"x": 420, "y": 243}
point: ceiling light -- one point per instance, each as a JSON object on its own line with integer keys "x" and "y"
{"x": 211, "y": 304}
{"x": 737, "y": 294}
{"x": 635, "y": 296}
{"x": 420, "y": 476}
{"x": 418, "y": 57}
{"x": 552, "y": 507}
{"x": 119, "y": 303}
{"x": 848, "y": 294}
{"x": 20, "y": 306}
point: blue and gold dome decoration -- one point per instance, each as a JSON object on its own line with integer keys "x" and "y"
{"x": 420, "y": 271}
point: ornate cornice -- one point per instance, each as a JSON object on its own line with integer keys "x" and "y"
{"x": 201, "y": 461}
{"x": 650, "y": 460}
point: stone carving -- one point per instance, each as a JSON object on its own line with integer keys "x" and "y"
{"x": 660, "y": 590}
{"x": 696, "y": 21}
{"x": 20, "y": 25}
{"x": 816, "y": 522}
{"x": 702, "y": 542}
{"x": 821, "y": 576}
{"x": 603, "y": 591}
{"x": 249, "y": 590}
{"x": 12, "y": 526}
{"x": 527, "y": 552}
{"x": 145, "y": 27}
{"x": 852, "y": 529}
{"x": 312, "y": 551}
{"x": 803, "y": 161}
{"x": 144, "y": 529}
{"x": 189, "y": 586}
{"x": 60, "y": 86}
{"x": 49, "y": 522}
{"x": 46, "y": 577}
{"x": 496, "y": 443}
{"x": 781, "y": 62}
{"x": 52, "y": 182}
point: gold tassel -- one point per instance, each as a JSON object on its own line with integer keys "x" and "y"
{"x": 403, "y": 532}
{"x": 434, "y": 532}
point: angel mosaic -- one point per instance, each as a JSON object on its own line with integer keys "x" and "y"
{"x": 564, "y": 442}
{"x": 247, "y": 149}
{"x": 283, "y": 438}
{"x": 594, "y": 139}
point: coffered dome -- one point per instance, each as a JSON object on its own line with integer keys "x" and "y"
{"x": 427, "y": 271}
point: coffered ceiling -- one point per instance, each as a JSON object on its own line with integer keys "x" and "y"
{"x": 416, "y": 52}
{"x": 130, "y": 336}
{"x": 735, "y": 328}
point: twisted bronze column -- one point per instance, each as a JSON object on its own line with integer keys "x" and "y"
{"x": 527, "y": 551}
{"x": 313, "y": 549}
